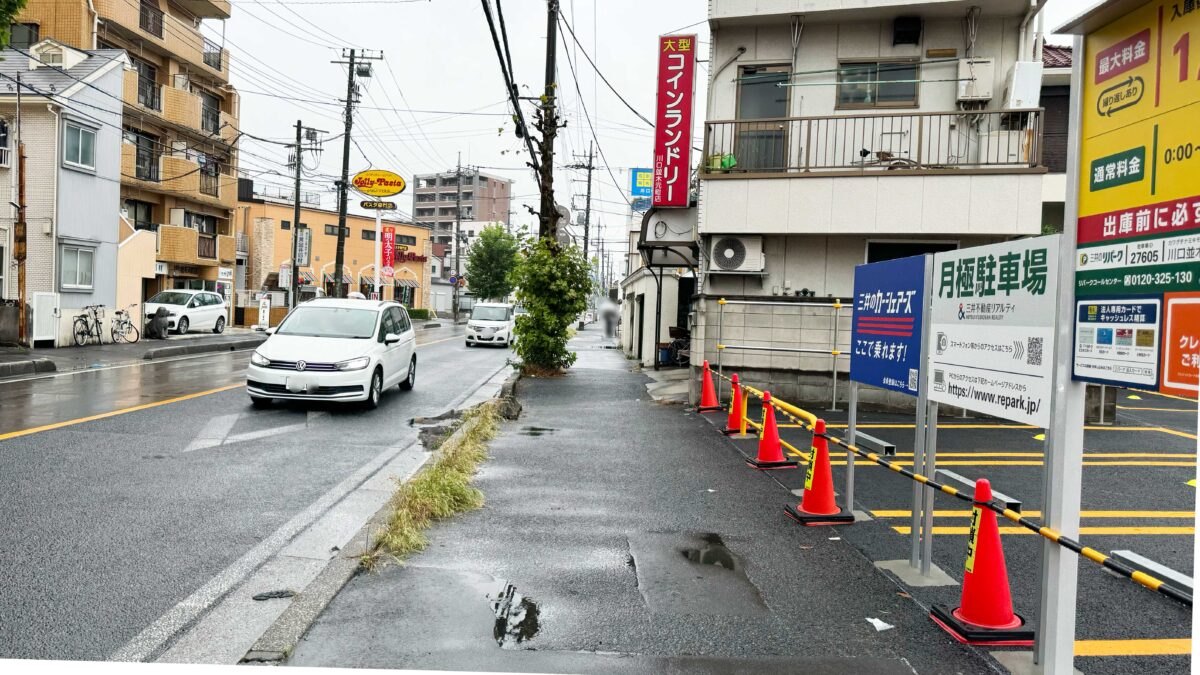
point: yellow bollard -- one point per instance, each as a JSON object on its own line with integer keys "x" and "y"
{"x": 745, "y": 409}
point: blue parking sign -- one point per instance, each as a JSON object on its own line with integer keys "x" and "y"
{"x": 885, "y": 341}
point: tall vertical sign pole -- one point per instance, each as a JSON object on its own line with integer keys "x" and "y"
{"x": 1054, "y": 649}
{"x": 923, "y": 421}
{"x": 21, "y": 238}
{"x": 339, "y": 288}
{"x": 378, "y": 252}
{"x": 294, "y": 290}
{"x": 852, "y": 439}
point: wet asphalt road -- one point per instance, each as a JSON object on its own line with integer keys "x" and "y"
{"x": 110, "y": 523}
{"x": 1135, "y": 497}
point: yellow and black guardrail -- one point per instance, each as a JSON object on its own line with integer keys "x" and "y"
{"x": 808, "y": 421}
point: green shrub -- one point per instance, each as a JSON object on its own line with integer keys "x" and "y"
{"x": 418, "y": 314}
{"x": 553, "y": 284}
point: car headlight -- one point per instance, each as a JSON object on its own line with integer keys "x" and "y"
{"x": 472, "y": 326}
{"x": 355, "y": 364}
{"x": 259, "y": 360}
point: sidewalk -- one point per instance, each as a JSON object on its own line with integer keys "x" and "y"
{"x": 20, "y": 361}
{"x": 602, "y": 508}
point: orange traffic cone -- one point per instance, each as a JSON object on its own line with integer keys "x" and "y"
{"x": 770, "y": 450}
{"x": 817, "y": 506}
{"x": 708, "y": 395}
{"x": 986, "y": 615}
{"x": 734, "y": 423}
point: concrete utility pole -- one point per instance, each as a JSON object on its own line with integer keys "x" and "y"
{"x": 356, "y": 61}
{"x": 587, "y": 207}
{"x": 20, "y": 236}
{"x": 294, "y": 286}
{"x": 549, "y": 128}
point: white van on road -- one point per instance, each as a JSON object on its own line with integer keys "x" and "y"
{"x": 491, "y": 323}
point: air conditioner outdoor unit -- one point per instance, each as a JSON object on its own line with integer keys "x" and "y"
{"x": 730, "y": 253}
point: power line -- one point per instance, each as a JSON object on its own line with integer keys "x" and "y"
{"x": 596, "y": 68}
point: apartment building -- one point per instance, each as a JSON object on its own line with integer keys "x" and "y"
{"x": 265, "y": 222}
{"x": 70, "y": 125}
{"x": 178, "y": 168}
{"x": 857, "y": 131}
{"x": 486, "y": 199}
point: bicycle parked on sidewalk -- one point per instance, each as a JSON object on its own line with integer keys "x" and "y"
{"x": 88, "y": 325}
{"x": 123, "y": 328}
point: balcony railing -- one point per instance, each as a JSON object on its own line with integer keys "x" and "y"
{"x": 213, "y": 54}
{"x": 210, "y": 119}
{"x": 146, "y": 165}
{"x": 150, "y": 19}
{"x": 149, "y": 94}
{"x": 206, "y": 247}
{"x": 895, "y": 142}
{"x": 242, "y": 243}
{"x": 210, "y": 183}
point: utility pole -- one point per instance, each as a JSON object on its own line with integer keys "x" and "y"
{"x": 294, "y": 286}
{"x": 356, "y": 61}
{"x": 20, "y": 236}
{"x": 549, "y": 127}
{"x": 587, "y": 207}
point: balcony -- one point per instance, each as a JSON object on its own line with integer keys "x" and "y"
{"x": 187, "y": 246}
{"x": 909, "y": 173}
{"x": 146, "y": 22}
{"x": 176, "y": 176}
{"x": 1003, "y": 141}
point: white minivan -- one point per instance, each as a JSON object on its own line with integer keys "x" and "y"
{"x": 491, "y": 323}
{"x": 189, "y": 310}
{"x": 335, "y": 350}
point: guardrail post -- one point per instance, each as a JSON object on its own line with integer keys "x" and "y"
{"x": 720, "y": 332}
{"x": 837, "y": 315}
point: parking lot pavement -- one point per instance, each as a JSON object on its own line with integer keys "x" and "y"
{"x": 1136, "y": 496}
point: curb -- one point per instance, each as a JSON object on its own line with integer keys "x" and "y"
{"x": 276, "y": 644}
{"x": 11, "y": 368}
{"x": 431, "y": 325}
{"x": 202, "y": 348}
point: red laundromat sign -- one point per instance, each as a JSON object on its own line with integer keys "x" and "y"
{"x": 673, "y": 119}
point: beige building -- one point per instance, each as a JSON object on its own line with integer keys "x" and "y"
{"x": 178, "y": 161}
{"x": 266, "y": 223}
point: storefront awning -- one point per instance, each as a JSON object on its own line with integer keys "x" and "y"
{"x": 307, "y": 277}
{"x": 345, "y": 279}
{"x": 407, "y": 283}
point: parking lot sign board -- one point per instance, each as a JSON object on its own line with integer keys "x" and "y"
{"x": 991, "y": 334}
{"x": 1139, "y": 202}
{"x": 885, "y": 339}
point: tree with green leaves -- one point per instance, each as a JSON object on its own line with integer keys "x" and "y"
{"x": 8, "y": 13}
{"x": 553, "y": 284}
{"x": 491, "y": 262}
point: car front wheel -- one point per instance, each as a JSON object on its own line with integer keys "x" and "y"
{"x": 220, "y": 327}
{"x": 411, "y": 381}
{"x": 375, "y": 391}
{"x": 182, "y": 326}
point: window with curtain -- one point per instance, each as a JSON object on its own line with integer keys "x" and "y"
{"x": 877, "y": 84}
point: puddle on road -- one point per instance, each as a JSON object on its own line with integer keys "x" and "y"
{"x": 712, "y": 552}
{"x": 516, "y": 616}
{"x": 536, "y": 431}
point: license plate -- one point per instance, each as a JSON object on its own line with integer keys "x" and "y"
{"x": 297, "y": 385}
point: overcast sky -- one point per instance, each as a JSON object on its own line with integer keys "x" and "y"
{"x": 439, "y": 58}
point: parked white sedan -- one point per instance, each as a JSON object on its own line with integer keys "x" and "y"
{"x": 189, "y": 310}
{"x": 335, "y": 350}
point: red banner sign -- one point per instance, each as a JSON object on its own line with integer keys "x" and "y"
{"x": 673, "y": 119}
{"x": 389, "y": 246}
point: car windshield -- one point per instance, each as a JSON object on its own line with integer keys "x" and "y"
{"x": 481, "y": 313}
{"x": 334, "y": 322}
{"x": 171, "y": 298}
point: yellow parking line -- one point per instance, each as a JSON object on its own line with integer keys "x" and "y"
{"x": 953, "y": 513}
{"x": 1029, "y": 462}
{"x": 948, "y": 529}
{"x": 1167, "y": 455}
{"x": 114, "y": 413}
{"x": 1160, "y": 647}
{"x": 1159, "y": 393}
{"x": 1130, "y": 407}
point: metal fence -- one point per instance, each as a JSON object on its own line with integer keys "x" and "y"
{"x": 888, "y": 142}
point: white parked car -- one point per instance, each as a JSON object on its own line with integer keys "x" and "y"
{"x": 335, "y": 350}
{"x": 189, "y": 310}
{"x": 491, "y": 323}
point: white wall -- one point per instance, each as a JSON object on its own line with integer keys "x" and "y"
{"x": 645, "y": 285}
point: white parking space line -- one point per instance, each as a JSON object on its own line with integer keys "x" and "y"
{"x": 213, "y": 433}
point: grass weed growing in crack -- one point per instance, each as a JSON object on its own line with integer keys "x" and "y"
{"x": 442, "y": 489}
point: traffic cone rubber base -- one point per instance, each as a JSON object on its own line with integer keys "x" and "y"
{"x": 769, "y": 466}
{"x": 1015, "y": 635}
{"x": 731, "y": 432}
{"x": 813, "y": 519}
{"x": 710, "y": 408}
